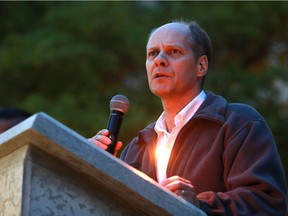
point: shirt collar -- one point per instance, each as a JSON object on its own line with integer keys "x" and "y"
{"x": 184, "y": 115}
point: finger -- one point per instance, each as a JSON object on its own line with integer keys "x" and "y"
{"x": 99, "y": 135}
{"x": 119, "y": 145}
{"x": 97, "y": 143}
{"x": 175, "y": 178}
{"x": 177, "y": 183}
{"x": 101, "y": 139}
{"x": 101, "y": 145}
{"x": 104, "y": 132}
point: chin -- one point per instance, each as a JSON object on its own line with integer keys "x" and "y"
{"x": 160, "y": 90}
{"x": 160, "y": 93}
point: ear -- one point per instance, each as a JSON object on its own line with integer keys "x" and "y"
{"x": 202, "y": 65}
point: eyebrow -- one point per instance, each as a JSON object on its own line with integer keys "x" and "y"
{"x": 165, "y": 46}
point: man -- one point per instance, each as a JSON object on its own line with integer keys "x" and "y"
{"x": 10, "y": 117}
{"x": 219, "y": 156}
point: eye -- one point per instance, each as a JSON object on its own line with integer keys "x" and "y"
{"x": 152, "y": 54}
{"x": 175, "y": 52}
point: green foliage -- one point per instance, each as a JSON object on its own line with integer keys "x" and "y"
{"x": 69, "y": 58}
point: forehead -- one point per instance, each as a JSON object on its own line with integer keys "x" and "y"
{"x": 170, "y": 34}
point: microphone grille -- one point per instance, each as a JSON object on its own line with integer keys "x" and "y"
{"x": 120, "y": 103}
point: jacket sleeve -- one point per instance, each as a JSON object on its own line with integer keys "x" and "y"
{"x": 253, "y": 174}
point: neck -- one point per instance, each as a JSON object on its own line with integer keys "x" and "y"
{"x": 172, "y": 105}
{"x": 171, "y": 109}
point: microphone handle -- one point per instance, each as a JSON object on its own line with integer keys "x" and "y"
{"x": 114, "y": 124}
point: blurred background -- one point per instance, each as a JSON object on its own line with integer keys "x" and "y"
{"x": 68, "y": 59}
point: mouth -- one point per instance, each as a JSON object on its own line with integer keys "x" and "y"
{"x": 160, "y": 75}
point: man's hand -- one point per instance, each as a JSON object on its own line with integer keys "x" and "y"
{"x": 102, "y": 140}
{"x": 182, "y": 187}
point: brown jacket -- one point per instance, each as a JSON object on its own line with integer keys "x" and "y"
{"x": 228, "y": 153}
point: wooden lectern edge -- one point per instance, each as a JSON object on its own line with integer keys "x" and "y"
{"x": 42, "y": 126}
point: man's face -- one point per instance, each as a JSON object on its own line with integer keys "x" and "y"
{"x": 172, "y": 69}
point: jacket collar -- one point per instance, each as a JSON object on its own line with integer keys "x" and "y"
{"x": 213, "y": 109}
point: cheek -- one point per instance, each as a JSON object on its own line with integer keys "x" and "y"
{"x": 147, "y": 66}
{"x": 188, "y": 68}
{"x": 185, "y": 73}
{"x": 148, "y": 69}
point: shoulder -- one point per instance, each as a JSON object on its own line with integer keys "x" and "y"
{"x": 218, "y": 107}
{"x": 243, "y": 112}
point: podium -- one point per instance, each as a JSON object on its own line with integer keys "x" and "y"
{"x": 48, "y": 169}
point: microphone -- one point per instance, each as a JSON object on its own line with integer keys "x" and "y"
{"x": 119, "y": 105}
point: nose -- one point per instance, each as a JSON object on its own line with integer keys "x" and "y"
{"x": 161, "y": 60}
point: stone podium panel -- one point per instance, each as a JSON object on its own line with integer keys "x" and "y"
{"x": 49, "y": 169}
